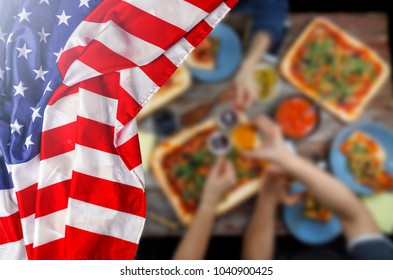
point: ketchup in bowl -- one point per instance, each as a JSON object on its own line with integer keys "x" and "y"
{"x": 297, "y": 116}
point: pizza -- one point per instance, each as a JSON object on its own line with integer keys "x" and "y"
{"x": 334, "y": 69}
{"x": 182, "y": 163}
{"x": 366, "y": 158}
{"x": 204, "y": 56}
{"x": 177, "y": 84}
{"x": 313, "y": 210}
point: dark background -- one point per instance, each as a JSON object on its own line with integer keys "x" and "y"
{"x": 227, "y": 248}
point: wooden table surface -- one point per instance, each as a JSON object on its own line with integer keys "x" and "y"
{"x": 371, "y": 28}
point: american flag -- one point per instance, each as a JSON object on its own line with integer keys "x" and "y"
{"x": 73, "y": 76}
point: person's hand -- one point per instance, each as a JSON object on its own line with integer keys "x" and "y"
{"x": 220, "y": 179}
{"x": 273, "y": 148}
{"x": 276, "y": 188}
{"x": 245, "y": 88}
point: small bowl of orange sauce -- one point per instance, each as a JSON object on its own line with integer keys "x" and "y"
{"x": 297, "y": 116}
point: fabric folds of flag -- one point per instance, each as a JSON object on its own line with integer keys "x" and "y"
{"x": 73, "y": 76}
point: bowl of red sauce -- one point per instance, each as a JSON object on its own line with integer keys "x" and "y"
{"x": 297, "y": 116}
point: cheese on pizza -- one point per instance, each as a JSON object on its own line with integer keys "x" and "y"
{"x": 366, "y": 160}
{"x": 334, "y": 69}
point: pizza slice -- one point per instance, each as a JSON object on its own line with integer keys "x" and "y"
{"x": 366, "y": 158}
{"x": 205, "y": 55}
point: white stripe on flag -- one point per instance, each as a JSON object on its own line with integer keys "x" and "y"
{"x": 105, "y": 221}
{"x": 79, "y": 72}
{"x": 125, "y": 133}
{"x": 13, "y": 251}
{"x": 137, "y": 84}
{"x": 49, "y": 228}
{"x": 56, "y": 169}
{"x": 8, "y": 203}
{"x": 179, "y": 13}
{"x": 25, "y": 174}
{"x": 63, "y": 112}
{"x": 104, "y": 165}
{"x": 28, "y": 229}
{"x": 97, "y": 107}
{"x": 217, "y": 15}
{"x": 179, "y": 51}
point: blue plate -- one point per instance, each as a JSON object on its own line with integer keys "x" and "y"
{"x": 229, "y": 55}
{"x": 307, "y": 230}
{"x": 338, "y": 161}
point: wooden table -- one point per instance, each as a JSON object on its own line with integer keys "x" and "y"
{"x": 371, "y": 28}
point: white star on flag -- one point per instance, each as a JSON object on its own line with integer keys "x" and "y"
{"x": 40, "y": 73}
{"x": 47, "y": 89}
{"x": 15, "y": 127}
{"x": 20, "y": 89}
{"x": 84, "y": 3}
{"x": 58, "y": 54}
{"x": 24, "y": 16}
{"x": 2, "y": 35}
{"x": 9, "y": 40}
{"x": 23, "y": 51}
{"x": 63, "y": 18}
{"x": 2, "y": 74}
{"x": 28, "y": 142}
{"x": 44, "y": 1}
{"x": 43, "y": 35}
{"x": 36, "y": 113}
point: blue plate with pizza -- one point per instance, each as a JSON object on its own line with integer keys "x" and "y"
{"x": 361, "y": 156}
{"x": 218, "y": 56}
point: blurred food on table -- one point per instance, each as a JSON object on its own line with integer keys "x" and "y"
{"x": 244, "y": 137}
{"x": 335, "y": 69}
{"x": 267, "y": 81}
{"x": 366, "y": 160}
{"x": 314, "y": 210}
{"x": 297, "y": 116}
{"x": 147, "y": 142}
{"x": 181, "y": 164}
{"x": 217, "y": 57}
{"x": 165, "y": 122}
{"x": 204, "y": 57}
{"x": 381, "y": 208}
{"x": 175, "y": 86}
{"x": 218, "y": 143}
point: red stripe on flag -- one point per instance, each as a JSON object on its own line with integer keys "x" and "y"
{"x": 58, "y": 140}
{"x": 82, "y": 245}
{"x": 52, "y": 198}
{"x": 127, "y": 107}
{"x": 231, "y": 3}
{"x": 198, "y": 33}
{"x": 10, "y": 229}
{"x": 106, "y": 85}
{"x": 109, "y": 194}
{"x": 26, "y": 201}
{"x": 130, "y": 152}
{"x": 54, "y": 250}
{"x": 95, "y": 135}
{"x": 62, "y": 91}
{"x": 100, "y": 63}
{"x": 143, "y": 25}
{"x": 68, "y": 57}
{"x": 159, "y": 77}
{"x": 207, "y": 6}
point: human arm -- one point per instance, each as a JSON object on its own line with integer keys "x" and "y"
{"x": 355, "y": 218}
{"x": 194, "y": 244}
{"x": 267, "y": 28}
